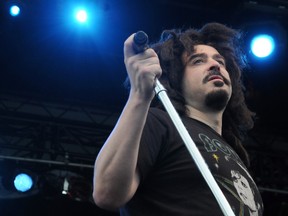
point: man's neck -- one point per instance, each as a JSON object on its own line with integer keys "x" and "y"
{"x": 212, "y": 119}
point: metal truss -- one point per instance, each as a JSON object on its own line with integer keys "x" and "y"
{"x": 269, "y": 162}
{"x": 71, "y": 135}
{"x": 53, "y": 133}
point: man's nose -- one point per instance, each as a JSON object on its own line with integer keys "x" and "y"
{"x": 214, "y": 65}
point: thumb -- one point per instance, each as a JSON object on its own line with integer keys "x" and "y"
{"x": 128, "y": 47}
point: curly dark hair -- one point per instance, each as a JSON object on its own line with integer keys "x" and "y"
{"x": 237, "y": 118}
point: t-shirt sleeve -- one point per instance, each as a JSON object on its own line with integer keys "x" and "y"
{"x": 152, "y": 141}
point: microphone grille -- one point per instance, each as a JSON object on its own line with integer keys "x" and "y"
{"x": 141, "y": 38}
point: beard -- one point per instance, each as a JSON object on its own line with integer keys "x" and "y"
{"x": 217, "y": 100}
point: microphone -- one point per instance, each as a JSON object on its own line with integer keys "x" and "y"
{"x": 140, "y": 42}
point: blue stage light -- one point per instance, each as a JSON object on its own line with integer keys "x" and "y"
{"x": 23, "y": 182}
{"x": 262, "y": 45}
{"x": 14, "y": 10}
{"x": 81, "y": 16}
{"x": 88, "y": 15}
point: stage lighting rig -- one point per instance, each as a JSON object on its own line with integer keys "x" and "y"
{"x": 265, "y": 40}
{"x": 14, "y": 8}
{"x": 18, "y": 183}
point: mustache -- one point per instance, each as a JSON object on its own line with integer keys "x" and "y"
{"x": 216, "y": 73}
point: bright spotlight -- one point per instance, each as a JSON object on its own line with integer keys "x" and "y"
{"x": 262, "y": 45}
{"x": 88, "y": 16}
{"x": 81, "y": 16}
{"x": 23, "y": 182}
{"x": 14, "y": 10}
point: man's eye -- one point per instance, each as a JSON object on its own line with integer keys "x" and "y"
{"x": 197, "y": 61}
{"x": 221, "y": 62}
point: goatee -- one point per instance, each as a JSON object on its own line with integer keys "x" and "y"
{"x": 217, "y": 100}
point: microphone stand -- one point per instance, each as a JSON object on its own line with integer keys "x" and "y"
{"x": 140, "y": 44}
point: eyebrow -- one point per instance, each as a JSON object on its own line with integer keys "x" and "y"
{"x": 204, "y": 55}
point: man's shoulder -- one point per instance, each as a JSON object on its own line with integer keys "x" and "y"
{"x": 155, "y": 111}
{"x": 159, "y": 115}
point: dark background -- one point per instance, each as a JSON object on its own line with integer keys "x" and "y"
{"x": 61, "y": 91}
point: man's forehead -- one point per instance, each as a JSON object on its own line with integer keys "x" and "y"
{"x": 201, "y": 48}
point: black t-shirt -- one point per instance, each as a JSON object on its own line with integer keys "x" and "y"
{"x": 172, "y": 185}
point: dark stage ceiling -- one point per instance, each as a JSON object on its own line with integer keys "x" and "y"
{"x": 46, "y": 55}
{"x": 54, "y": 72}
